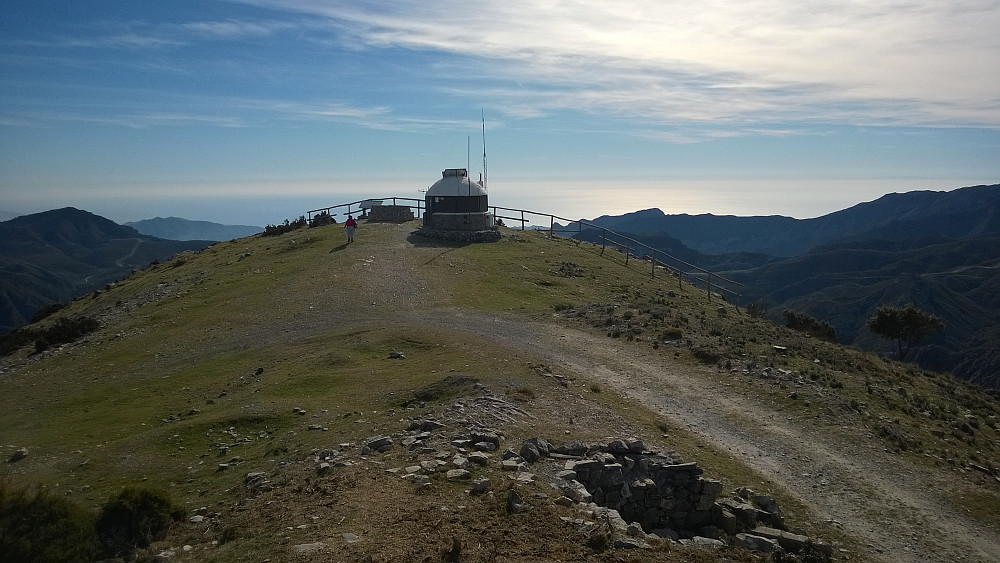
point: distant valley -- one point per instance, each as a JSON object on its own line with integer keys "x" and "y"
{"x": 56, "y": 256}
{"x": 175, "y": 228}
{"x": 937, "y": 250}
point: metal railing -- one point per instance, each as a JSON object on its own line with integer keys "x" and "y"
{"x": 633, "y": 250}
{"x": 355, "y": 206}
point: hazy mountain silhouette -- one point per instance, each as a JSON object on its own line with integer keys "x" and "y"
{"x": 962, "y": 213}
{"x": 58, "y": 255}
{"x": 175, "y": 228}
{"x": 938, "y": 250}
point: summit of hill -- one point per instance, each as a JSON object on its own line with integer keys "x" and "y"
{"x": 301, "y": 398}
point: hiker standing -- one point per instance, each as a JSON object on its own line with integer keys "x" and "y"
{"x": 350, "y": 225}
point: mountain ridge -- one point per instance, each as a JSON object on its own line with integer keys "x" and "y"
{"x": 56, "y": 256}
{"x": 964, "y": 212}
{"x": 938, "y": 250}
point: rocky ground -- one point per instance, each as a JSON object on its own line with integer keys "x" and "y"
{"x": 850, "y": 481}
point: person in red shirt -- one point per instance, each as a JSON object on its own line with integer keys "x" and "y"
{"x": 350, "y": 226}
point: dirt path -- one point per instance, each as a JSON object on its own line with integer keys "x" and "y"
{"x": 890, "y": 506}
{"x": 893, "y": 508}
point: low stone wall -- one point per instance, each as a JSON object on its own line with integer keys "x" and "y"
{"x": 489, "y": 235}
{"x": 649, "y": 489}
{"x": 390, "y": 214}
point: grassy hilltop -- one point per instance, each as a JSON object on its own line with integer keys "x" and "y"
{"x": 272, "y": 354}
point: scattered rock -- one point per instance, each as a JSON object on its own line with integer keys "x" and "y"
{"x": 18, "y": 455}
{"x": 515, "y": 503}
{"x": 756, "y": 543}
{"x": 479, "y": 458}
{"x": 312, "y": 548}
{"x": 350, "y": 538}
{"x": 378, "y": 443}
{"x": 396, "y": 356}
{"x": 456, "y": 474}
{"x": 480, "y": 485}
{"x": 632, "y": 543}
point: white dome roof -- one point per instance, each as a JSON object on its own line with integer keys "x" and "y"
{"x": 455, "y": 182}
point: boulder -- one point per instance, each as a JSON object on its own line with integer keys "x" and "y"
{"x": 480, "y": 485}
{"x": 515, "y": 503}
{"x": 756, "y": 543}
{"x": 529, "y": 452}
{"x": 379, "y": 443}
{"x": 479, "y": 458}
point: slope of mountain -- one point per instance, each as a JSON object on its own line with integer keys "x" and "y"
{"x": 304, "y": 399}
{"x": 843, "y": 284}
{"x": 938, "y": 250}
{"x": 58, "y": 255}
{"x": 175, "y": 228}
{"x": 963, "y": 213}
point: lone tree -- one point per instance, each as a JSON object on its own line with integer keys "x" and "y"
{"x": 908, "y": 325}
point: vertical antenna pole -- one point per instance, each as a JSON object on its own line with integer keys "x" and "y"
{"x": 468, "y": 161}
{"x": 485, "y": 175}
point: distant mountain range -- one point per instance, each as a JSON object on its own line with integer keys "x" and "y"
{"x": 175, "y": 228}
{"x": 937, "y": 250}
{"x": 963, "y": 213}
{"x": 56, "y": 256}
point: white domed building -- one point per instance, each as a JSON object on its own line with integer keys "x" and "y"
{"x": 457, "y": 208}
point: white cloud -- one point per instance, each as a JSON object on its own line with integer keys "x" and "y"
{"x": 913, "y": 62}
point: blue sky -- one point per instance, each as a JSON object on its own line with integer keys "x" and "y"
{"x": 255, "y": 111}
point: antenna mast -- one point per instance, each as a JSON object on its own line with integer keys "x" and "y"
{"x": 468, "y": 161}
{"x": 485, "y": 175}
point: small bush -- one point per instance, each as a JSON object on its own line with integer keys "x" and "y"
{"x": 811, "y": 326}
{"x": 62, "y": 331}
{"x": 133, "y": 520}
{"x": 321, "y": 219}
{"x": 757, "y": 310}
{"x": 46, "y": 312}
{"x": 706, "y": 355}
{"x": 673, "y": 333}
{"x": 287, "y": 227}
{"x": 43, "y": 527}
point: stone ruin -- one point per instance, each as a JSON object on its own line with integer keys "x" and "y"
{"x": 634, "y": 494}
{"x": 654, "y": 490}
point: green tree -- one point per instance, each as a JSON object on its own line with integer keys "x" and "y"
{"x": 907, "y": 325}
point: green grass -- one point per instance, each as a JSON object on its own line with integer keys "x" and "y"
{"x": 151, "y": 397}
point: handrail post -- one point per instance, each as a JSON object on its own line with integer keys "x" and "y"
{"x": 522, "y": 219}
{"x": 552, "y": 224}
{"x": 604, "y": 239}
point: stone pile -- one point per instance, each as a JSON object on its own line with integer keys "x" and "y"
{"x": 639, "y": 494}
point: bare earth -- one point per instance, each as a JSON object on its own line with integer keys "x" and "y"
{"x": 890, "y": 506}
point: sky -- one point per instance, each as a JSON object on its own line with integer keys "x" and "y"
{"x": 256, "y": 111}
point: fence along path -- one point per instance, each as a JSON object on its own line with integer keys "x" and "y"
{"x": 631, "y": 249}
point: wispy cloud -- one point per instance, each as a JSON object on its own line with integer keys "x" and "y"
{"x": 914, "y": 62}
